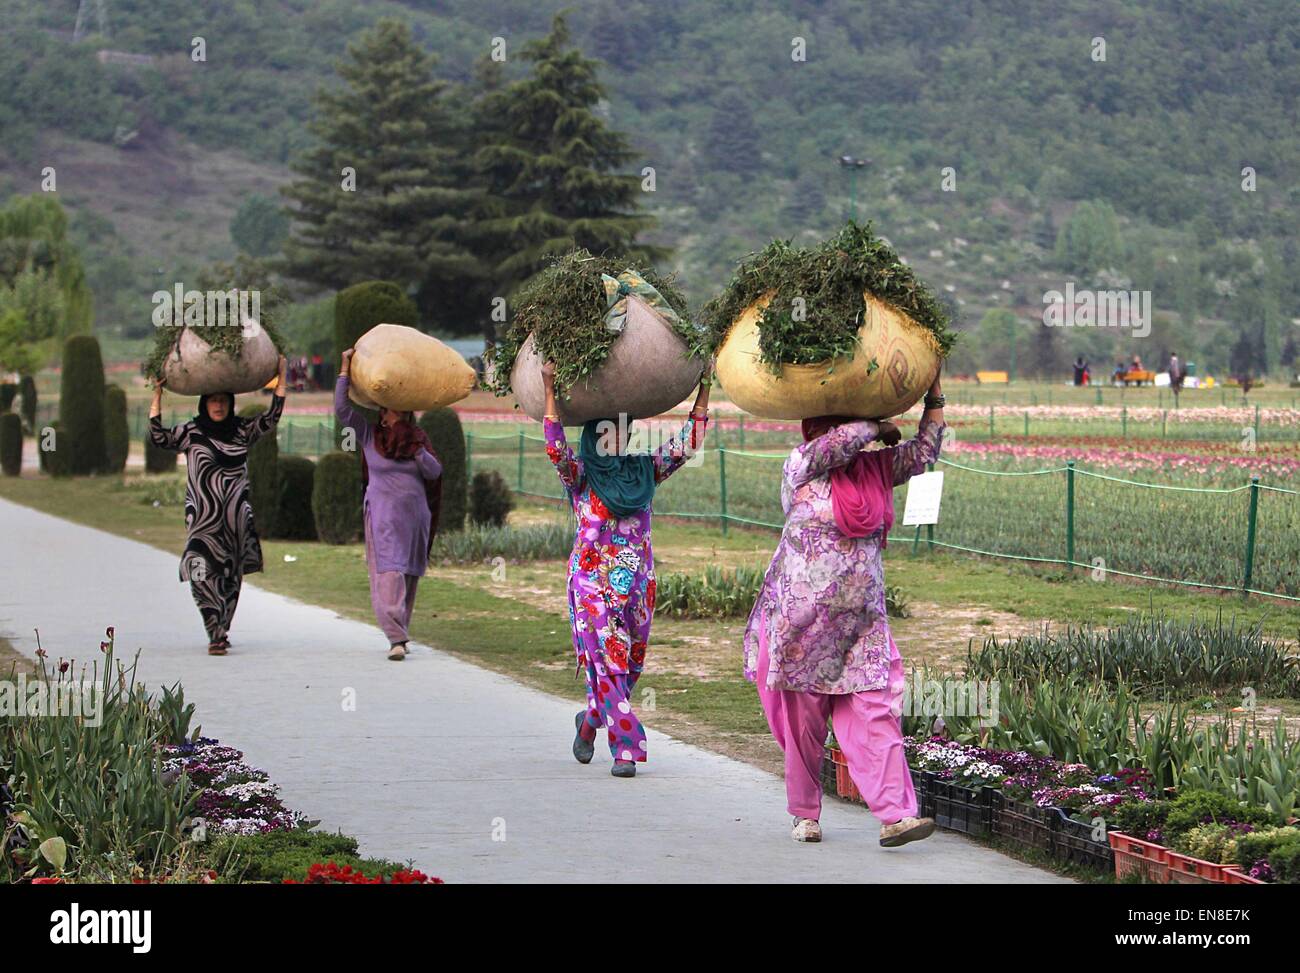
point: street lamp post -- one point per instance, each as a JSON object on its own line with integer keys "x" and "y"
{"x": 852, "y": 164}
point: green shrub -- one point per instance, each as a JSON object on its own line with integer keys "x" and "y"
{"x": 1197, "y": 807}
{"x": 336, "y": 498}
{"x": 157, "y": 459}
{"x": 117, "y": 433}
{"x": 156, "y": 491}
{"x": 1208, "y": 842}
{"x": 27, "y": 390}
{"x": 490, "y": 500}
{"x": 1265, "y": 844}
{"x": 1285, "y": 862}
{"x": 360, "y": 307}
{"x": 81, "y": 405}
{"x": 11, "y": 444}
{"x": 1138, "y": 818}
{"x": 263, "y": 476}
{"x": 274, "y": 856}
{"x": 443, "y": 428}
{"x": 293, "y": 514}
{"x": 55, "y": 460}
{"x": 537, "y": 542}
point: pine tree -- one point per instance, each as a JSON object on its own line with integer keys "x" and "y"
{"x": 392, "y": 124}
{"x": 552, "y": 172}
{"x": 732, "y": 141}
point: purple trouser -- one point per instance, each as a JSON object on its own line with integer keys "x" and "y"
{"x": 392, "y": 595}
{"x": 867, "y": 729}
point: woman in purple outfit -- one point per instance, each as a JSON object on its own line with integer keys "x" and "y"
{"x": 818, "y": 645}
{"x": 403, "y": 495}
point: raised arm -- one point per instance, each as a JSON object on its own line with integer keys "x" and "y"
{"x": 266, "y": 421}
{"x": 343, "y": 409}
{"x": 557, "y": 447}
{"x": 674, "y": 454}
{"x": 829, "y": 452}
{"x": 175, "y": 439}
{"x": 913, "y": 456}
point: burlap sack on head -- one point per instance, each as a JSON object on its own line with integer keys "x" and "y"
{"x": 649, "y": 370}
{"x": 195, "y": 368}
{"x": 907, "y": 355}
{"x": 406, "y": 370}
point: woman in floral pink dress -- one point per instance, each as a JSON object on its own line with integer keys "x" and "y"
{"x": 818, "y": 645}
{"x": 611, "y": 570}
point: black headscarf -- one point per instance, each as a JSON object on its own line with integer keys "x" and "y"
{"x": 225, "y": 429}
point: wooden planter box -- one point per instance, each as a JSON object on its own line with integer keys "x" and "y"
{"x": 1135, "y": 855}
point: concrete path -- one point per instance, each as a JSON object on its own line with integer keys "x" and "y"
{"x": 440, "y": 759}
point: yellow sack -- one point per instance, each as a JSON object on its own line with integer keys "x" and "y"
{"x": 407, "y": 370}
{"x": 907, "y": 355}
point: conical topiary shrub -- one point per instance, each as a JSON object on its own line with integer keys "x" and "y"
{"x": 263, "y": 475}
{"x": 443, "y": 428}
{"x": 11, "y": 444}
{"x": 117, "y": 435}
{"x": 336, "y": 498}
{"x": 27, "y": 393}
{"x": 293, "y": 515}
{"x": 54, "y": 448}
{"x": 360, "y": 307}
{"x": 81, "y": 406}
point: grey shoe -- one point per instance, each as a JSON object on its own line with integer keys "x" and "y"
{"x": 623, "y": 770}
{"x": 582, "y": 749}
{"x": 908, "y": 829}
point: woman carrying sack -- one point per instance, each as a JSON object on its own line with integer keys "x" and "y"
{"x": 818, "y": 644}
{"x": 611, "y": 571}
{"x": 402, "y": 478}
{"x": 221, "y": 544}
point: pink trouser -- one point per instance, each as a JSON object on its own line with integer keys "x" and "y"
{"x": 392, "y": 596}
{"x": 866, "y": 728}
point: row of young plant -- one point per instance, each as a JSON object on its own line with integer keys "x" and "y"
{"x": 731, "y": 592}
{"x": 1151, "y": 727}
{"x": 104, "y": 781}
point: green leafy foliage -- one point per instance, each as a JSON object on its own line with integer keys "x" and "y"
{"x": 336, "y": 498}
{"x": 81, "y": 406}
{"x": 274, "y": 856}
{"x": 490, "y": 499}
{"x": 117, "y": 431}
{"x": 563, "y": 308}
{"x": 480, "y": 544}
{"x": 11, "y": 444}
{"x": 259, "y": 227}
{"x": 293, "y": 516}
{"x": 816, "y": 304}
{"x": 360, "y": 307}
{"x": 263, "y": 476}
{"x": 447, "y": 438}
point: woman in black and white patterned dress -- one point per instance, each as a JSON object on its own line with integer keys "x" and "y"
{"x": 222, "y": 544}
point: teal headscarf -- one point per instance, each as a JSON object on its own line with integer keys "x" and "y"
{"x": 625, "y": 483}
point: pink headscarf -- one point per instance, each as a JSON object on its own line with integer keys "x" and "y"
{"x": 862, "y": 493}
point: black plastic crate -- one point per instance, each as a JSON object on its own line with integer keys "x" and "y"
{"x": 1074, "y": 844}
{"x": 924, "y": 800}
{"x": 961, "y": 809}
{"x": 1026, "y": 824}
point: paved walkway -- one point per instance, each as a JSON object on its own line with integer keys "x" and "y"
{"x": 440, "y": 759}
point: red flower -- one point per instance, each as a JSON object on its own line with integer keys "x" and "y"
{"x": 48, "y": 880}
{"x": 63, "y": 667}
{"x": 598, "y": 508}
{"x": 589, "y": 559}
{"x": 109, "y": 631}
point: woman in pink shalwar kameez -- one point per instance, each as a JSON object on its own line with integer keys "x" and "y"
{"x": 818, "y": 644}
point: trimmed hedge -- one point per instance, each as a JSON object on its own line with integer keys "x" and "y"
{"x": 490, "y": 499}
{"x": 263, "y": 475}
{"x": 27, "y": 392}
{"x": 8, "y": 392}
{"x": 11, "y": 444}
{"x": 81, "y": 406}
{"x": 54, "y": 461}
{"x": 360, "y": 307}
{"x": 336, "y": 498}
{"x": 293, "y": 515}
{"x": 443, "y": 428}
{"x": 117, "y": 434}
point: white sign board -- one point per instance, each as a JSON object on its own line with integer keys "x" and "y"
{"x": 923, "y": 495}
{"x": 1162, "y": 380}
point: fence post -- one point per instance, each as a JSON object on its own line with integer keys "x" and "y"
{"x": 742, "y": 430}
{"x": 1164, "y": 419}
{"x": 1069, "y": 514}
{"x": 1026, "y": 423}
{"x": 320, "y": 437}
{"x": 1099, "y": 395}
{"x": 991, "y": 420}
{"x": 1250, "y": 536}
{"x": 722, "y": 487}
{"x": 520, "y": 475}
{"x": 1123, "y": 419}
{"x": 469, "y": 454}
{"x": 1256, "y": 422}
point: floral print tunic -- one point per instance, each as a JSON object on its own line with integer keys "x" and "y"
{"x": 823, "y": 597}
{"x": 611, "y": 570}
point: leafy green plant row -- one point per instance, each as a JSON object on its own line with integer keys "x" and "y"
{"x": 731, "y": 593}
{"x": 477, "y": 544}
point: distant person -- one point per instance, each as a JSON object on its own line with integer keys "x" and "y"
{"x": 1176, "y": 373}
{"x": 221, "y": 544}
{"x": 1137, "y": 364}
{"x": 1080, "y": 371}
{"x": 1120, "y": 371}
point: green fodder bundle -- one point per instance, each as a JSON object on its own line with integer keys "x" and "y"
{"x": 564, "y": 307}
{"x": 816, "y": 305}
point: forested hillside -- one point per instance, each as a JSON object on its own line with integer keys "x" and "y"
{"x": 743, "y": 108}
